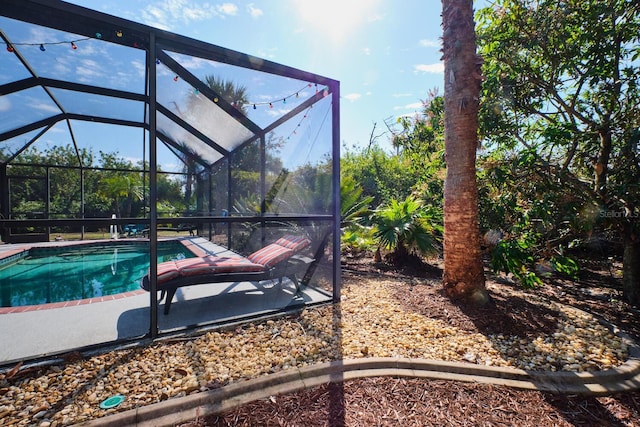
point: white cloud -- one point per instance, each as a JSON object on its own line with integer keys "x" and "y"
{"x": 5, "y": 104}
{"x": 155, "y": 17}
{"x": 352, "y": 96}
{"x": 254, "y": 11}
{"x": 49, "y": 108}
{"x": 194, "y": 14}
{"x": 437, "y": 68}
{"x": 191, "y": 62}
{"x": 164, "y": 13}
{"x": 430, "y": 43}
{"x": 277, "y": 112}
{"x": 228, "y": 9}
{"x": 412, "y": 106}
{"x": 366, "y": 51}
{"x": 89, "y": 70}
{"x": 139, "y": 68}
{"x": 401, "y": 95}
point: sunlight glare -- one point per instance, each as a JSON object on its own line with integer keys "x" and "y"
{"x": 335, "y": 19}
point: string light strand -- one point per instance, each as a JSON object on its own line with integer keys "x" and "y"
{"x": 304, "y": 117}
{"x": 283, "y": 100}
{"x": 42, "y": 46}
{"x": 270, "y": 103}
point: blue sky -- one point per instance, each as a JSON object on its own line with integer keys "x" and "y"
{"x": 385, "y": 53}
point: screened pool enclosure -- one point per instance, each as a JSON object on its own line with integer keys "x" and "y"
{"x": 113, "y": 130}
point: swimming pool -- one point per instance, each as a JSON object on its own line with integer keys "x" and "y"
{"x": 54, "y": 274}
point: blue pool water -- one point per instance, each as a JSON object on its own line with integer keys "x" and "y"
{"x": 70, "y": 273}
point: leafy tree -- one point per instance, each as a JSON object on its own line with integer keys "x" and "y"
{"x": 562, "y": 86}
{"x": 64, "y": 182}
{"x": 355, "y": 211}
{"x": 463, "y": 276}
{"x": 353, "y": 205}
{"x": 121, "y": 189}
{"x": 421, "y": 144}
{"x": 382, "y": 175}
{"x": 228, "y": 90}
{"x": 538, "y": 218}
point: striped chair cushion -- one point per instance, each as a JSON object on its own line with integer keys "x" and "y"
{"x": 270, "y": 255}
{"x": 295, "y": 243}
{"x": 167, "y": 271}
{"x": 213, "y": 264}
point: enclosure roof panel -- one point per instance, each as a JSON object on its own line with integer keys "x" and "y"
{"x": 26, "y": 106}
{"x": 64, "y": 61}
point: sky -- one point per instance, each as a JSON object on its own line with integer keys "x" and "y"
{"x": 385, "y": 53}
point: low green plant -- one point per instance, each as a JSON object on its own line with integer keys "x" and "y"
{"x": 408, "y": 227}
{"x": 358, "y": 239}
{"x": 513, "y": 256}
{"x": 516, "y": 257}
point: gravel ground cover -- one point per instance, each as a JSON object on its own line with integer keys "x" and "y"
{"x": 380, "y": 315}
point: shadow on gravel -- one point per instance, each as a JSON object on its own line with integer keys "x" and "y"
{"x": 337, "y": 408}
{"x": 512, "y": 315}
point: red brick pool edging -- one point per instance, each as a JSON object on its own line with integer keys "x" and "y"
{"x": 62, "y": 304}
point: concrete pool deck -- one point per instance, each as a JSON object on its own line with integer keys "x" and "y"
{"x": 51, "y": 329}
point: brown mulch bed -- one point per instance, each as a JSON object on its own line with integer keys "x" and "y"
{"x": 420, "y": 402}
{"x": 415, "y": 402}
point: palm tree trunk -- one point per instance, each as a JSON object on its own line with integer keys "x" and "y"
{"x": 463, "y": 277}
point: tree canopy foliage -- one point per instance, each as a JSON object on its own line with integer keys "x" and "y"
{"x": 111, "y": 185}
{"x": 559, "y": 156}
{"x": 560, "y": 123}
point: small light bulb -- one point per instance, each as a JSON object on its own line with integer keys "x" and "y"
{"x": 98, "y": 35}
{"x": 9, "y": 48}
{"x": 157, "y": 61}
{"x": 175, "y": 79}
{"x": 42, "y": 48}
{"x": 254, "y": 106}
{"x": 119, "y": 33}
{"x": 73, "y": 46}
{"x": 270, "y": 105}
{"x": 215, "y": 99}
{"x": 284, "y": 100}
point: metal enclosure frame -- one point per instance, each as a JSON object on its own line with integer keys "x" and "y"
{"x": 155, "y": 43}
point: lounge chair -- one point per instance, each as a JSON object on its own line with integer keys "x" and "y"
{"x": 271, "y": 262}
{"x": 134, "y": 229}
